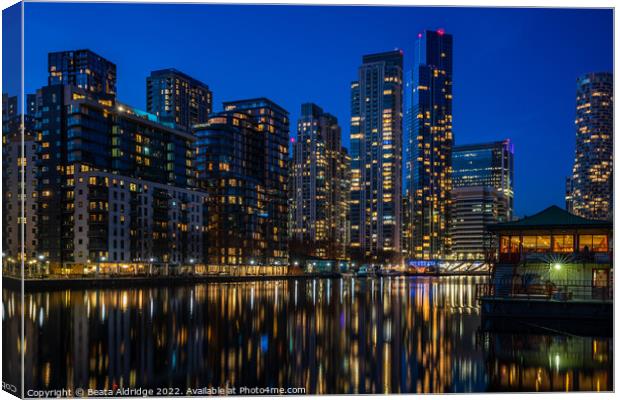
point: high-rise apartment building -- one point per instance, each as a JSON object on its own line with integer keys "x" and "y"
{"x": 376, "y": 157}
{"x": 9, "y": 110}
{"x": 482, "y": 194}
{"x": 177, "y": 98}
{"x": 319, "y": 181}
{"x": 83, "y": 69}
{"x": 430, "y": 147}
{"x": 272, "y": 122}
{"x": 117, "y": 223}
{"x": 592, "y": 179}
{"x": 31, "y": 104}
{"x": 19, "y": 183}
{"x": 230, "y": 163}
{"x": 80, "y": 132}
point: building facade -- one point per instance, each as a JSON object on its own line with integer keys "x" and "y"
{"x": 231, "y": 170}
{"x": 78, "y": 131}
{"x": 272, "y": 122}
{"x": 554, "y": 246}
{"x": 19, "y": 201}
{"x": 83, "y": 69}
{"x": 126, "y": 225}
{"x": 592, "y": 180}
{"x": 177, "y": 98}
{"x": 482, "y": 194}
{"x": 486, "y": 164}
{"x": 474, "y": 208}
{"x": 319, "y": 181}
{"x": 430, "y": 147}
{"x": 376, "y": 157}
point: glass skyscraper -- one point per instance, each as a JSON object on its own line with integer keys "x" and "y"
{"x": 376, "y": 157}
{"x": 430, "y": 147}
{"x": 591, "y": 184}
{"x": 482, "y": 194}
{"x": 485, "y": 164}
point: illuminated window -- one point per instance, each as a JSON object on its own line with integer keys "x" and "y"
{"x": 514, "y": 244}
{"x": 563, "y": 243}
{"x": 504, "y": 244}
{"x": 596, "y": 243}
{"x": 536, "y": 243}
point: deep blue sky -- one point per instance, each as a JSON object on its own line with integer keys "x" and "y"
{"x": 514, "y": 69}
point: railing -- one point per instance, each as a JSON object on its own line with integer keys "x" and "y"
{"x": 581, "y": 256}
{"x": 566, "y": 290}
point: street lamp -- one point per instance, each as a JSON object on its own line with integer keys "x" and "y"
{"x": 151, "y": 260}
{"x": 191, "y": 262}
{"x": 41, "y": 257}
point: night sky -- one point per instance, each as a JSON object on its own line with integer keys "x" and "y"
{"x": 514, "y": 69}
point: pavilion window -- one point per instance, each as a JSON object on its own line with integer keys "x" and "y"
{"x": 529, "y": 244}
{"x": 515, "y": 242}
{"x": 563, "y": 243}
{"x": 543, "y": 243}
{"x": 536, "y": 244}
{"x": 595, "y": 243}
{"x": 504, "y": 244}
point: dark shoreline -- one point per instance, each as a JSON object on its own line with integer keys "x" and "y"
{"x": 13, "y": 283}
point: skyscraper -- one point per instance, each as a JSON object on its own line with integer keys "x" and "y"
{"x": 376, "y": 157}
{"x": 230, "y": 163}
{"x": 273, "y": 123}
{"x": 485, "y": 164}
{"x": 83, "y": 69}
{"x": 430, "y": 146}
{"x": 482, "y": 194}
{"x": 19, "y": 182}
{"x": 113, "y": 185}
{"x": 319, "y": 183}
{"x": 177, "y": 98}
{"x": 592, "y": 179}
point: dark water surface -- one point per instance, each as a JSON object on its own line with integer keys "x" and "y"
{"x": 388, "y": 335}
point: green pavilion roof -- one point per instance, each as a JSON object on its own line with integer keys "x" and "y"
{"x": 551, "y": 217}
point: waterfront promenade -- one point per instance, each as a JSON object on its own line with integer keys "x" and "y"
{"x": 119, "y": 281}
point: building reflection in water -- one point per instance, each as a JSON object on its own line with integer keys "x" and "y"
{"x": 389, "y": 335}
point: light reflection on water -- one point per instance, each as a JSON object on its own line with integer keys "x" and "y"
{"x": 388, "y": 335}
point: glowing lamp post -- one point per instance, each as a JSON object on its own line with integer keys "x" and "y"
{"x": 101, "y": 260}
{"x": 41, "y": 258}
